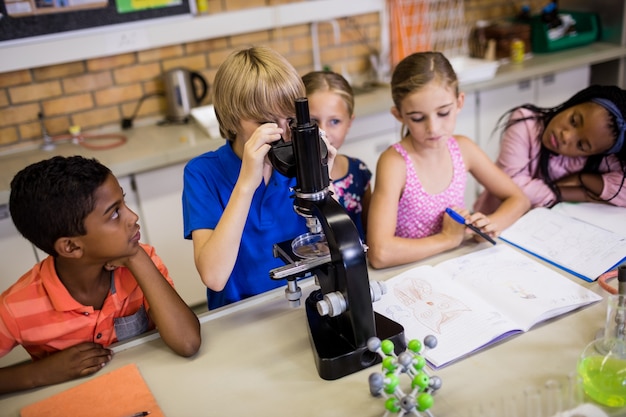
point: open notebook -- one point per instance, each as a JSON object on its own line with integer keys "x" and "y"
{"x": 477, "y": 299}
{"x": 576, "y": 246}
{"x": 119, "y": 393}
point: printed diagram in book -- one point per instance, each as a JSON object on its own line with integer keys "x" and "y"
{"x": 434, "y": 310}
{"x": 474, "y": 300}
{"x": 428, "y": 307}
{"x": 504, "y": 275}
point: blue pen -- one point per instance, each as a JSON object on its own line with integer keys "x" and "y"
{"x": 460, "y": 219}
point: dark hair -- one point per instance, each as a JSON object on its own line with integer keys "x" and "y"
{"x": 50, "y": 199}
{"x": 544, "y": 115}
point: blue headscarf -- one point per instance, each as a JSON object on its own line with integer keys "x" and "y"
{"x": 619, "y": 121}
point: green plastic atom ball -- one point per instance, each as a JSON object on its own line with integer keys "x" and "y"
{"x": 421, "y": 380}
{"x": 420, "y": 363}
{"x": 424, "y": 401}
{"x": 414, "y": 345}
{"x": 392, "y": 383}
{"x": 387, "y": 347}
{"x": 392, "y": 405}
{"x": 389, "y": 363}
{"x": 408, "y": 363}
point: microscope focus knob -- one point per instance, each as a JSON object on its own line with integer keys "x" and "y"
{"x": 377, "y": 290}
{"x": 333, "y": 304}
{"x": 293, "y": 293}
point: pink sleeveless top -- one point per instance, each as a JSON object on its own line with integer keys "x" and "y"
{"x": 421, "y": 214}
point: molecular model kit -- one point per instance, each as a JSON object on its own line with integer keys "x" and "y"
{"x": 411, "y": 363}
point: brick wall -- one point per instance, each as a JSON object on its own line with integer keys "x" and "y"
{"x": 98, "y": 93}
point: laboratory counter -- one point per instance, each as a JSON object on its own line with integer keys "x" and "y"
{"x": 256, "y": 359}
{"x": 146, "y": 148}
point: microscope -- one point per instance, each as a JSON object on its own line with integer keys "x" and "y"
{"x": 340, "y": 314}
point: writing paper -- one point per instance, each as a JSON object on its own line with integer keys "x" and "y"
{"x": 578, "y": 247}
{"x": 119, "y": 393}
{"x": 606, "y": 216}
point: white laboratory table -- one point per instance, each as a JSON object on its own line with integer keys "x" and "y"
{"x": 256, "y": 360}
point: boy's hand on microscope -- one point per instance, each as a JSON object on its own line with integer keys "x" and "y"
{"x": 255, "y": 153}
{"x": 332, "y": 151}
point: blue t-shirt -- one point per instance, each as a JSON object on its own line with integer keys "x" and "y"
{"x": 209, "y": 180}
{"x": 350, "y": 190}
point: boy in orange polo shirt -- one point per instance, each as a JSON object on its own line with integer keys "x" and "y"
{"x": 98, "y": 286}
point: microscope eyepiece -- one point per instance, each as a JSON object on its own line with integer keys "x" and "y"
{"x": 303, "y": 117}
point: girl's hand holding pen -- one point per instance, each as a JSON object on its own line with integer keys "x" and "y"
{"x": 453, "y": 231}
{"x": 477, "y": 222}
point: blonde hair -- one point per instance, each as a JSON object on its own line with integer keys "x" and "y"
{"x": 330, "y": 81}
{"x": 418, "y": 69}
{"x": 254, "y": 84}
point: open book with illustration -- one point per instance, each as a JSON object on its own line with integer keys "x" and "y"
{"x": 477, "y": 299}
{"x": 578, "y": 247}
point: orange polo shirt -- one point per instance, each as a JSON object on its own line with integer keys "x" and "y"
{"x": 39, "y": 313}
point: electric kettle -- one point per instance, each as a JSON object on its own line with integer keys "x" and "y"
{"x": 184, "y": 89}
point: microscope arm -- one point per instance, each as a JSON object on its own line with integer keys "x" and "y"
{"x": 350, "y": 276}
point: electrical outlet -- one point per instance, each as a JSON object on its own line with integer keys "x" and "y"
{"x": 130, "y": 40}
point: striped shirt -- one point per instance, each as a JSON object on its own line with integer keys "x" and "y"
{"x": 39, "y": 313}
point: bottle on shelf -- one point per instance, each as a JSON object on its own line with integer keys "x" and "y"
{"x": 478, "y": 39}
{"x": 524, "y": 14}
{"x": 550, "y": 15}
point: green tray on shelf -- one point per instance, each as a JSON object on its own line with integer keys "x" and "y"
{"x": 587, "y": 31}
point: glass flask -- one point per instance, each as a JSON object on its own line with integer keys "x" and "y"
{"x": 602, "y": 365}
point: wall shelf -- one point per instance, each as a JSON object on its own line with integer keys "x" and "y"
{"x": 137, "y": 36}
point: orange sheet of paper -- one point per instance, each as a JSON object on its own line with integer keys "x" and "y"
{"x": 120, "y": 393}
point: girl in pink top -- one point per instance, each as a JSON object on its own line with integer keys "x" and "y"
{"x": 572, "y": 152}
{"x": 423, "y": 174}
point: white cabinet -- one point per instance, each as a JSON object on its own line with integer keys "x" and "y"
{"x": 368, "y": 150}
{"x": 492, "y": 104}
{"x": 466, "y": 119}
{"x": 369, "y": 136}
{"x": 159, "y": 192}
{"x": 17, "y": 254}
{"x": 466, "y": 126}
{"x": 553, "y": 89}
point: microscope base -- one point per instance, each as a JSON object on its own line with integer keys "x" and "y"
{"x": 335, "y": 356}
